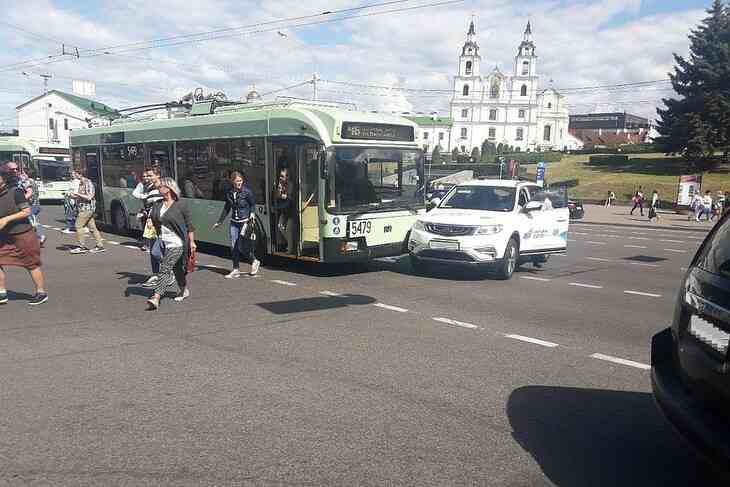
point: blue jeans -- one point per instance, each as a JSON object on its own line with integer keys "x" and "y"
{"x": 155, "y": 253}
{"x": 34, "y": 210}
{"x": 240, "y": 247}
{"x": 69, "y": 212}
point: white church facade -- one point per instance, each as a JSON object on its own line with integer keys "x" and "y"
{"x": 507, "y": 109}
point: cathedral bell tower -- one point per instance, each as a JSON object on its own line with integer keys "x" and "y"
{"x": 525, "y": 61}
{"x": 469, "y": 59}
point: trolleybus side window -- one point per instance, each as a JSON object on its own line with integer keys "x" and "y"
{"x": 249, "y": 156}
{"x": 193, "y": 170}
{"x": 160, "y": 155}
{"x": 123, "y": 165}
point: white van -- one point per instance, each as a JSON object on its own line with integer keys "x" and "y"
{"x": 499, "y": 223}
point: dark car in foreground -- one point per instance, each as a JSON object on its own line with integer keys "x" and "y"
{"x": 690, "y": 364}
{"x": 576, "y": 209}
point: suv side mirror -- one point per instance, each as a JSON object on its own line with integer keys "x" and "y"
{"x": 435, "y": 202}
{"x": 532, "y": 206}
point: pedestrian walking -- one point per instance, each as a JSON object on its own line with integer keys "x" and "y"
{"x": 69, "y": 207}
{"x": 610, "y": 198}
{"x": 85, "y": 199}
{"x": 29, "y": 186}
{"x": 707, "y": 206}
{"x": 174, "y": 226}
{"x": 696, "y": 207}
{"x": 241, "y": 203}
{"x": 19, "y": 246}
{"x": 653, "y": 215}
{"x": 148, "y": 192}
{"x": 638, "y": 201}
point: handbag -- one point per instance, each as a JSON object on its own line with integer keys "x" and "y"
{"x": 190, "y": 264}
{"x": 149, "y": 230}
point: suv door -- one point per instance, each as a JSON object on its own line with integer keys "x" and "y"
{"x": 529, "y": 223}
{"x": 554, "y": 218}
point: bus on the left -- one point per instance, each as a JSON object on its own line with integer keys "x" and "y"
{"x": 49, "y": 164}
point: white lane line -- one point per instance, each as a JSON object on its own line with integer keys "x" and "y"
{"x": 56, "y": 228}
{"x": 636, "y": 246}
{"x": 391, "y": 308}
{"x": 46, "y": 226}
{"x": 283, "y": 283}
{"x": 131, "y": 247}
{"x": 639, "y": 293}
{"x": 531, "y": 278}
{"x": 683, "y": 269}
{"x": 637, "y": 238}
{"x": 579, "y": 233}
{"x": 643, "y": 264}
{"x": 599, "y": 259}
{"x": 672, "y": 241}
{"x": 330, "y": 294}
{"x": 580, "y": 284}
{"x": 112, "y": 242}
{"x": 595, "y": 243}
{"x": 676, "y": 251}
{"x": 456, "y": 323}
{"x": 532, "y": 340}
{"x": 621, "y": 361}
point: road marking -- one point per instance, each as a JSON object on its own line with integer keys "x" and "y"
{"x": 46, "y": 226}
{"x": 131, "y": 247}
{"x": 599, "y": 259}
{"x": 331, "y": 294}
{"x": 621, "y": 361}
{"x": 595, "y": 243}
{"x": 639, "y": 293}
{"x": 456, "y": 323}
{"x": 112, "y": 242}
{"x": 673, "y": 241}
{"x": 532, "y": 340}
{"x": 637, "y": 238}
{"x": 589, "y": 286}
{"x": 683, "y": 269}
{"x": 636, "y": 246}
{"x": 391, "y": 308}
{"x": 531, "y": 278}
{"x": 56, "y": 228}
{"x": 643, "y": 264}
{"x": 580, "y": 233}
{"x": 283, "y": 283}
{"x": 676, "y": 251}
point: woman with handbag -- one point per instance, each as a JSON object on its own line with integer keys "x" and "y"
{"x": 176, "y": 236}
{"x": 241, "y": 203}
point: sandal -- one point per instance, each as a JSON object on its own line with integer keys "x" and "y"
{"x": 153, "y": 304}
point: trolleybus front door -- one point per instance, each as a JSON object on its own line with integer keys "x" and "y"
{"x": 308, "y": 200}
{"x": 93, "y": 172}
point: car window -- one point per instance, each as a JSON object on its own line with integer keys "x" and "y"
{"x": 557, "y": 198}
{"x": 488, "y": 198}
{"x": 715, "y": 254}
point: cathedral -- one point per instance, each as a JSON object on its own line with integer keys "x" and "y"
{"x": 507, "y": 109}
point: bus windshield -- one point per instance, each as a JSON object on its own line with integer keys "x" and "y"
{"x": 365, "y": 178}
{"x": 50, "y": 171}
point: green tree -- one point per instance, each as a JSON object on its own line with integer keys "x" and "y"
{"x": 436, "y": 155}
{"x": 475, "y": 154}
{"x": 697, "y": 123}
{"x": 500, "y": 148}
{"x": 455, "y": 155}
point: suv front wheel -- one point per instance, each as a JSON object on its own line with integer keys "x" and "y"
{"x": 508, "y": 263}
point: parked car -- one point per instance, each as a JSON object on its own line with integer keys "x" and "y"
{"x": 495, "y": 223}
{"x": 690, "y": 360}
{"x": 576, "y": 209}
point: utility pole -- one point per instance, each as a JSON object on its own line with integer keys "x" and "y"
{"x": 46, "y": 77}
{"x": 315, "y": 78}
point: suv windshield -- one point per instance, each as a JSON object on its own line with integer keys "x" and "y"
{"x": 364, "y": 178}
{"x": 490, "y": 198}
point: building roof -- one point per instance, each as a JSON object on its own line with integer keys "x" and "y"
{"x": 89, "y": 106}
{"x": 431, "y": 121}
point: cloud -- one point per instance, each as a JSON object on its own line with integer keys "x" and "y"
{"x": 579, "y": 43}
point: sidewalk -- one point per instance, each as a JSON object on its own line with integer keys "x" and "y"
{"x": 619, "y": 216}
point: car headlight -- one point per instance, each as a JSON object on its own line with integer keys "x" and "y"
{"x": 419, "y": 225}
{"x": 489, "y": 229}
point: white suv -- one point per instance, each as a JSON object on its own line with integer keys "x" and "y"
{"x": 500, "y": 223}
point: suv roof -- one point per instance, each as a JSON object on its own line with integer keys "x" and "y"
{"x": 505, "y": 183}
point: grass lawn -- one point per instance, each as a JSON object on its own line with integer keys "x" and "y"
{"x": 651, "y": 171}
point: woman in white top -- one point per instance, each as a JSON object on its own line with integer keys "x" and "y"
{"x": 707, "y": 205}
{"x": 174, "y": 226}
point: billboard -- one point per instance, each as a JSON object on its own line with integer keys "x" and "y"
{"x": 689, "y": 185}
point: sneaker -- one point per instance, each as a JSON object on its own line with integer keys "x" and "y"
{"x": 235, "y": 273}
{"x": 79, "y": 250}
{"x": 43, "y": 240}
{"x": 182, "y": 295}
{"x": 97, "y": 249}
{"x": 151, "y": 282}
{"x": 68, "y": 230}
{"x": 3, "y": 297}
{"x": 39, "y": 298}
{"x": 255, "y": 267}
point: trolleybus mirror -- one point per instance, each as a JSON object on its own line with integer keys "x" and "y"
{"x": 323, "y": 169}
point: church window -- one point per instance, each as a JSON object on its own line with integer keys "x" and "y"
{"x": 463, "y": 133}
{"x": 521, "y": 113}
{"x": 546, "y": 133}
{"x": 523, "y": 90}
{"x": 441, "y": 136}
{"x": 492, "y": 133}
{"x": 525, "y": 68}
{"x": 465, "y": 113}
{"x": 425, "y": 135}
{"x": 468, "y": 68}
{"x": 465, "y": 91}
{"x": 494, "y": 89}
{"x": 550, "y": 105}
{"x": 493, "y": 114}
{"x": 520, "y": 133}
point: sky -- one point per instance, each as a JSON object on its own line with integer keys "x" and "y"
{"x": 398, "y": 52}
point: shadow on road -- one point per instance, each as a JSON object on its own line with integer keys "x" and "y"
{"x": 596, "y": 437}
{"x": 303, "y": 305}
{"x": 133, "y": 278}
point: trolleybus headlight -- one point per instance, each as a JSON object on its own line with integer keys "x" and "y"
{"x": 350, "y": 246}
{"x": 489, "y": 229}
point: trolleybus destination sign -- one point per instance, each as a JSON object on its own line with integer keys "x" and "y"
{"x": 377, "y": 131}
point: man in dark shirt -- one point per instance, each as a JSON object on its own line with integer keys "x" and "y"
{"x": 19, "y": 245}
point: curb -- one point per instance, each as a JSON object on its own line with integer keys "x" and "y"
{"x": 638, "y": 225}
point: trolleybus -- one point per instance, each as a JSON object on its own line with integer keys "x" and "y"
{"x": 49, "y": 164}
{"x": 358, "y": 176}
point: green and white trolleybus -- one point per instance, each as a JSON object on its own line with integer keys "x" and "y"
{"x": 48, "y": 163}
{"x": 358, "y": 176}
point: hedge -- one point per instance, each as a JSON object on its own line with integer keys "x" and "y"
{"x": 533, "y": 157}
{"x": 608, "y": 160}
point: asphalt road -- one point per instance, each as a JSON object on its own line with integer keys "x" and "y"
{"x": 322, "y": 376}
